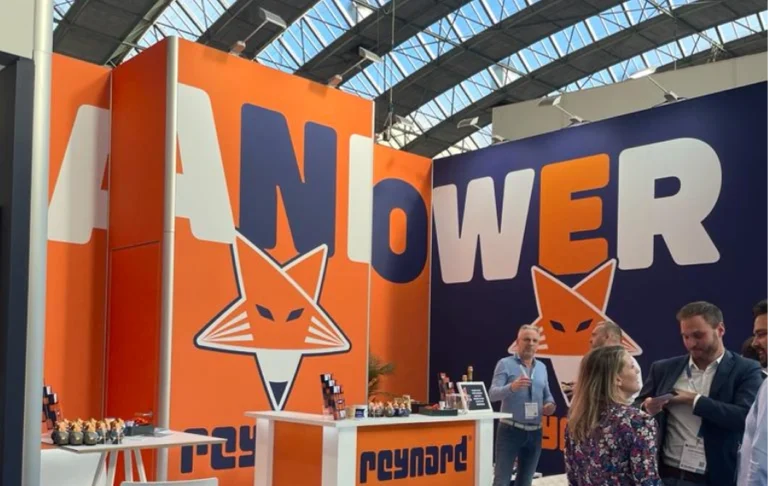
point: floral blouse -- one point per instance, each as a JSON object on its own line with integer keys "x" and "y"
{"x": 621, "y": 451}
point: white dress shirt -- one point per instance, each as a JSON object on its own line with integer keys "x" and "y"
{"x": 639, "y": 378}
{"x": 682, "y": 424}
{"x": 753, "y": 463}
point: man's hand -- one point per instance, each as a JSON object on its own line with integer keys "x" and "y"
{"x": 548, "y": 408}
{"x": 520, "y": 383}
{"x": 653, "y": 406}
{"x": 683, "y": 397}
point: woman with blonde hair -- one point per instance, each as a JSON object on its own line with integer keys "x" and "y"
{"x": 608, "y": 441}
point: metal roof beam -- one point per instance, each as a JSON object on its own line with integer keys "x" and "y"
{"x": 618, "y": 47}
{"x": 745, "y": 46}
{"x": 104, "y": 31}
{"x": 484, "y": 50}
{"x": 375, "y": 34}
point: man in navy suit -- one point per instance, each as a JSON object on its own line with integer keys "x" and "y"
{"x": 701, "y": 426}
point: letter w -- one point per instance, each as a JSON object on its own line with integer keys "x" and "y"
{"x": 268, "y": 162}
{"x": 500, "y": 242}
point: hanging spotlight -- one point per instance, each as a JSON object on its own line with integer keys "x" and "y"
{"x": 267, "y": 18}
{"x": 237, "y": 48}
{"x": 365, "y": 55}
{"x": 335, "y": 80}
{"x": 474, "y": 123}
{"x": 555, "y": 102}
{"x": 469, "y": 122}
{"x": 401, "y": 120}
{"x": 384, "y": 136}
{"x": 669, "y": 96}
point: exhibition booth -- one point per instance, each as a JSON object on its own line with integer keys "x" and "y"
{"x": 243, "y": 285}
{"x": 231, "y": 233}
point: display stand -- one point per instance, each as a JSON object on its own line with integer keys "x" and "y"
{"x": 455, "y": 450}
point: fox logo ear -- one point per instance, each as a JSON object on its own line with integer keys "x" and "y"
{"x": 308, "y": 271}
{"x": 549, "y": 290}
{"x": 596, "y": 287}
{"x": 251, "y": 255}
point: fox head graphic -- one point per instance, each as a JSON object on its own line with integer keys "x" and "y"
{"x": 277, "y": 317}
{"x": 567, "y": 317}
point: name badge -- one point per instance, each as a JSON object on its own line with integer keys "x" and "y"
{"x": 531, "y": 410}
{"x": 694, "y": 458}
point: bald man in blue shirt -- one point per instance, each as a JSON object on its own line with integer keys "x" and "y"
{"x": 521, "y": 384}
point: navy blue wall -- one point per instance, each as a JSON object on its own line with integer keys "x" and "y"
{"x": 473, "y": 323}
{"x": 16, "y": 87}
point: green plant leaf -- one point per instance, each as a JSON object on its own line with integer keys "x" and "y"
{"x": 376, "y": 369}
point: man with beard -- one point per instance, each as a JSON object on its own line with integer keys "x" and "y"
{"x": 753, "y": 457}
{"x": 701, "y": 426}
{"x": 760, "y": 331}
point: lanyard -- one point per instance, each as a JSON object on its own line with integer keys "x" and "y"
{"x": 689, "y": 374}
{"x": 524, "y": 371}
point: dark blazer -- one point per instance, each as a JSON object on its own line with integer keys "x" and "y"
{"x": 723, "y": 413}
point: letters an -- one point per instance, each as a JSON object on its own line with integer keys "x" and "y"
{"x": 79, "y": 204}
{"x": 201, "y": 189}
{"x": 269, "y": 166}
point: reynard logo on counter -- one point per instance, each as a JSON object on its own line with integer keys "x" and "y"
{"x": 418, "y": 456}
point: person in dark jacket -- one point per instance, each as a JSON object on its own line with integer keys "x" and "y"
{"x": 702, "y": 425}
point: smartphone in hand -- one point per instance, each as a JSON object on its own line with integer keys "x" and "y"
{"x": 665, "y": 397}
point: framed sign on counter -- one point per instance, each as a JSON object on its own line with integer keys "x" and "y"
{"x": 475, "y": 396}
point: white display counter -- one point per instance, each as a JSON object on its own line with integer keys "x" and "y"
{"x": 418, "y": 449}
{"x": 106, "y": 464}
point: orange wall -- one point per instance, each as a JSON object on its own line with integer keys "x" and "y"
{"x": 135, "y": 230}
{"x": 138, "y": 149}
{"x": 135, "y": 236}
{"x": 77, "y": 294}
{"x": 76, "y": 283}
{"x": 399, "y": 326}
{"x": 215, "y": 381}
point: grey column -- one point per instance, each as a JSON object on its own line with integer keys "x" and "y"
{"x": 38, "y": 241}
{"x": 169, "y": 240}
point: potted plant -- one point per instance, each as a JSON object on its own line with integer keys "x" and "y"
{"x": 377, "y": 368}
